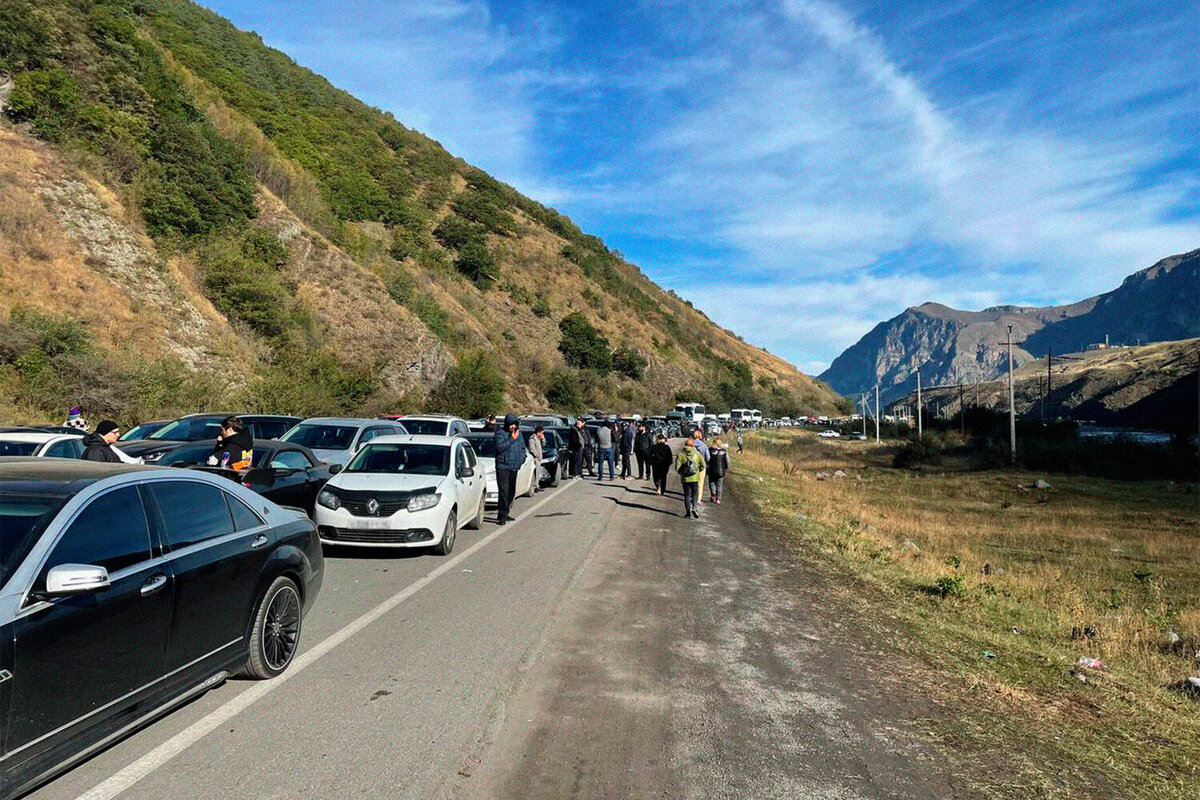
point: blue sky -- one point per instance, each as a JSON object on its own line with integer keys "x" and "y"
{"x": 804, "y": 169}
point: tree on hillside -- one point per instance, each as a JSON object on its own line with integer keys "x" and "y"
{"x": 472, "y": 388}
{"x": 564, "y": 392}
{"x": 629, "y": 362}
{"x": 582, "y": 345}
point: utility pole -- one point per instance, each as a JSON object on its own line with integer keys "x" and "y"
{"x": 1049, "y": 367}
{"x": 863, "y": 400}
{"x": 1012, "y": 408}
{"x": 920, "y": 427}
{"x": 877, "y": 413}
{"x": 962, "y": 410}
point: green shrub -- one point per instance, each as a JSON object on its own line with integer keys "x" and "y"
{"x": 540, "y": 306}
{"x": 564, "y": 392}
{"x": 471, "y": 388}
{"x": 917, "y": 451}
{"x": 629, "y": 362}
{"x": 582, "y": 345}
{"x": 477, "y": 263}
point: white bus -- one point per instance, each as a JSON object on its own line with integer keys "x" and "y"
{"x": 740, "y": 416}
{"x": 692, "y": 411}
{"x": 755, "y": 417}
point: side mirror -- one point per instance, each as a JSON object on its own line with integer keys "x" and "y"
{"x": 72, "y": 579}
{"x": 466, "y": 472}
{"x": 334, "y": 469}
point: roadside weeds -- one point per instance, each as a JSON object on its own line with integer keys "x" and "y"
{"x": 990, "y": 592}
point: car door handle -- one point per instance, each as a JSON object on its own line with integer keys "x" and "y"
{"x": 259, "y": 541}
{"x": 153, "y": 584}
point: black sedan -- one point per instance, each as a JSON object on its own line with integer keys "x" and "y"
{"x": 127, "y": 590}
{"x": 203, "y": 427}
{"x": 285, "y": 473}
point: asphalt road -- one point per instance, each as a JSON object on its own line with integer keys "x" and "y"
{"x": 602, "y": 646}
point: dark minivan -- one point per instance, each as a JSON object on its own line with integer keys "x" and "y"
{"x": 125, "y": 591}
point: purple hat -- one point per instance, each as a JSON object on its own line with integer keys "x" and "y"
{"x": 75, "y": 412}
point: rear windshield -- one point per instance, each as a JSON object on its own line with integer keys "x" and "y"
{"x": 322, "y": 437}
{"x": 484, "y": 446}
{"x": 425, "y": 427}
{"x": 407, "y": 459}
{"x": 17, "y": 448}
{"x": 23, "y": 517}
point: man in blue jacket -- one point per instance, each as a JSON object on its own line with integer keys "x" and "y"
{"x": 510, "y": 455}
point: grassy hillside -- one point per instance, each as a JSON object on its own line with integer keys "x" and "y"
{"x": 1153, "y": 386}
{"x": 338, "y": 260}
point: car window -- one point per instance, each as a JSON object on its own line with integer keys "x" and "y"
{"x": 189, "y": 429}
{"x": 371, "y": 433}
{"x": 17, "y": 448}
{"x": 322, "y": 437}
{"x": 268, "y": 429}
{"x": 290, "y": 459}
{"x": 417, "y": 459}
{"x": 460, "y": 459}
{"x": 192, "y": 512}
{"x": 110, "y": 532}
{"x": 63, "y": 449}
{"x": 243, "y": 518}
{"x": 470, "y": 451}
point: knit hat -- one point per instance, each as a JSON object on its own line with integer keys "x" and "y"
{"x": 75, "y": 412}
{"x": 106, "y": 427}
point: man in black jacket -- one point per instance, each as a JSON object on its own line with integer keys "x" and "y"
{"x": 98, "y": 446}
{"x": 576, "y": 444}
{"x": 234, "y": 448}
{"x": 641, "y": 448}
{"x": 625, "y": 446}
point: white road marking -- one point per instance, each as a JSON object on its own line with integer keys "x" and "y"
{"x": 127, "y": 777}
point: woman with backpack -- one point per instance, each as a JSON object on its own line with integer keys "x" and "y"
{"x": 718, "y": 465}
{"x": 689, "y": 464}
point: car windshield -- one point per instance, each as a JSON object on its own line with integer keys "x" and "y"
{"x": 198, "y": 453}
{"x": 316, "y": 436}
{"x": 189, "y": 429}
{"x": 23, "y": 517}
{"x": 408, "y": 459}
{"x": 425, "y": 427}
{"x": 9, "y": 448}
{"x": 484, "y": 446}
{"x": 140, "y": 431}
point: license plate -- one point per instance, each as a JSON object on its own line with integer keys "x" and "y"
{"x": 370, "y": 524}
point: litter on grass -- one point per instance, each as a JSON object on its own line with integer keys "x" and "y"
{"x": 1091, "y": 663}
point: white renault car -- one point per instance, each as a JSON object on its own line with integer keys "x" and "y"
{"x": 484, "y": 445}
{"x": 403, "y": 491}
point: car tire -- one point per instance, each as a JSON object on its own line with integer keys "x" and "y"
{"x": 533, "y": 482}
{"x": 556, "y": 477}
{"x": 446, "y": 545}
{"x": 275, "y": 630}
{"x": 477, "y": 521}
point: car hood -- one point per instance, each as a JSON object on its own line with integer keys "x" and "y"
{"x": 362, "y": 481}
{"x": 332, "y": 456}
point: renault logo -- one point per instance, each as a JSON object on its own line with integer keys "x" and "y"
{"x": 373, "y": 507}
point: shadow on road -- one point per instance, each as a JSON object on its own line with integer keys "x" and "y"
{"x": 624, "y": 504}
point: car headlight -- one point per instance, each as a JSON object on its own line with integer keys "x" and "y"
{"x": 424, "y": 501}
{"x": 146, "y": 459}
{"x": 329, "y": 499}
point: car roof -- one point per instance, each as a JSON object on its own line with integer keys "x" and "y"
{"x": 430, "y": 417}
{"x": 37, "y": 437}
{"x": 401, "y": 438}
{"x": 67, "y": 473}
{"x": 346, "y": 421}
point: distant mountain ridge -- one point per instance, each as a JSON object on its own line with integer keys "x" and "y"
{"x": 1156, "y": 304}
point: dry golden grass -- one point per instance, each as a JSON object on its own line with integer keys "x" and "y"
{"x": 1122, "y": 558}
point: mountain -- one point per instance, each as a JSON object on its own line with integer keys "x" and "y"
{"x": 188, "y": 219}
{"x": 1151, "y": 386}
{"x": 1159, "y": 303}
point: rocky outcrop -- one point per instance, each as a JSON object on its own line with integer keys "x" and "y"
{"x": 1161, "y": 303}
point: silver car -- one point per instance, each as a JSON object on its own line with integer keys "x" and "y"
{"x": 335, "y": 440}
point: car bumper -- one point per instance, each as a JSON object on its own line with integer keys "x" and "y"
{"x": 402, "y": 529}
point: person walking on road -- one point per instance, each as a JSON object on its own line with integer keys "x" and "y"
{"x": 718, "y": 465}
{"x": 690, "y": 466}
{"x": 604, "y": 444}
{"x": 642, "y": 443}
{"x": 576, "y": 446}
{"x": 98, "y": 446}
{"x": 534, "y": 446}
{"x": 701, "y": 448}
{"x": 739, "y": 442}
{"x": 660, "y": 458}
{"x": 510, "y": 455}
{"x": 628, "y": 436}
